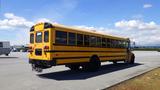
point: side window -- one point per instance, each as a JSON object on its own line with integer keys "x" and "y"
{"x": 114, "y": 43}
{"x": 93, "y": 41}
{"x": 1, "y": 44}
{"x": 46, "y": 36}
{"x": 121, "y": 44}
{"x": 109, "y": 43}
{"x": 79, "y": 39}
{"x": 99, "y": 42}
{"x": 71, "y": 38}
{"x": 86, "y": 40}
{"x": 125, "y": 44}
{"x": 118, "y": 44}
{"x": 32, "y": 38}
{"x": 61, "y": 37}
{"x": 104, "y": 42}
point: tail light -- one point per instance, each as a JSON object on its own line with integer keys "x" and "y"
{"x": 46, "y": 48}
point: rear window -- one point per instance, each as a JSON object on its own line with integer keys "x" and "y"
{"x": 32, "y": 38}
{"x": 61, "y": 37}
{"x": 38, "y": 37}
{"x": 46, "y": 36}
{"x": 1, "y": 44}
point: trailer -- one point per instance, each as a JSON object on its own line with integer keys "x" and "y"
{"x": 5, "y": 48}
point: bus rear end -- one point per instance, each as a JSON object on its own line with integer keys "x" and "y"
{"x": 40, "y": 43}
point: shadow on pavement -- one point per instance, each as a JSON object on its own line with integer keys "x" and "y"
{"x": 78, "y": 75}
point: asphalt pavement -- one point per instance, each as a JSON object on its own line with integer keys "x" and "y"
{"x": 16, "y": 73}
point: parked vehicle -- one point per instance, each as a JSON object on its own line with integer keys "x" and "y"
{"x": 20, "y": 48}
{"x": 5, "y": 48}
{"x": 53, "y": 44}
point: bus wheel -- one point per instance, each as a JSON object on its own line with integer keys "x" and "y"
{"x": 94, "y": 64}
{"x": 132, "y": 59}
{"x": 114, "y": 62}
{"x": 74, "y": 67}
{"x": 6, "y": 54}
{"x": 37, "y": 69}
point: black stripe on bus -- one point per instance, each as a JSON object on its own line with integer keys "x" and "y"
{"x": 89, "y": 46}
{"x": 81, "y": 51}
{"x": 85, "y": 57}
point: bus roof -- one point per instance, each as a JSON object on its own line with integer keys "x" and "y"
{"x": 55, "y": 25}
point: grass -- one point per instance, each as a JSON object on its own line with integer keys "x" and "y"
{"x": 147, "y": 81}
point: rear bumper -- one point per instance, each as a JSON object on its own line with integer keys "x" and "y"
{"x": 43, "y": 63}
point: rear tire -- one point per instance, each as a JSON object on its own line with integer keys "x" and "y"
{"x": 74, "y": 67}
{"x": 93, "y": 65}
{"x": 132, "y": 59}
{"x": 114, "y": 62}
{"x": 6, "y": 54}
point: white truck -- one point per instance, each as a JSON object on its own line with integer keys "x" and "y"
{"x": 5, "y": 48}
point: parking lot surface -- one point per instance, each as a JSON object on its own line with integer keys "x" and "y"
{"x": 16, "y": 73}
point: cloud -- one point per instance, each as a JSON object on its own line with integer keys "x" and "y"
{"x": 137, "y": 16}
{"x": 102, "y": 30}
{"x": 137, "y": 24}
{"x": 87, "y": 28}
{"x": 143, "y": 33}
{"x": 11, "y": 21}
{"x": 18, "y": 26}
{"x": 148, "y": 35}
{"x": 45, "y": 20}
{"x": 147, "y": 5}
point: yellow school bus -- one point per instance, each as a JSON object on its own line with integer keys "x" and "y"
{"x": 55, "y": 44}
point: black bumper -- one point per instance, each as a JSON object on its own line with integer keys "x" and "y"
{"x": 43, "y": 63}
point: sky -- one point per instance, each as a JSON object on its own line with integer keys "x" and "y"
{"x": 138, "y": 20}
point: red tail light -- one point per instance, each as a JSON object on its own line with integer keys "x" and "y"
{"x": 46, "y": 48}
